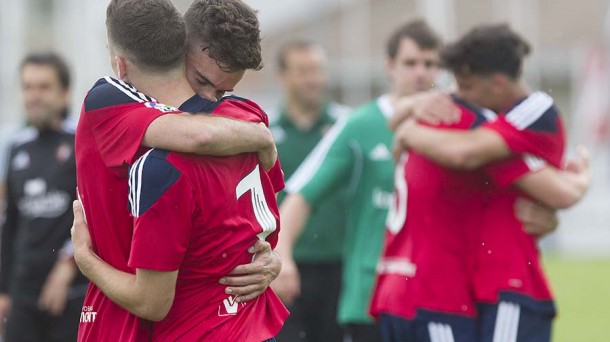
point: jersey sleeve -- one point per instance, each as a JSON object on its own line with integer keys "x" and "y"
{"x": 162, "y": 203}
{"x": 240, "y": 109}
{"x": 118, "y": 117}
{"x": 532, "y": 127}
{"x": 505, "y": 173}
{"x": 276, "y": 176}
{"x": 328, "y": 166}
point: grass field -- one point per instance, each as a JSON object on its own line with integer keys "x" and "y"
{"x": 582, "y": 289}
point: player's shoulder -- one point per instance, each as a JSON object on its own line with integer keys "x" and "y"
{"x": 109, "y": 92}
{"x": 536, "y": 112}
{"x": 367, "y": 112}
{"x": 22, "y": 137}
{"x": 472, "y": 115}
{"x": 338, "y": 110}
{"x": 150, "y": 177}
{"x": 240, "y": 108}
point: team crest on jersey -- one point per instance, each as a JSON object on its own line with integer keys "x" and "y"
{"x": 64, "y": 151}
{"x": 160, "y": 107}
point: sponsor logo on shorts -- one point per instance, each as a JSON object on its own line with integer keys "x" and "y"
{"x": 88, "y": 315}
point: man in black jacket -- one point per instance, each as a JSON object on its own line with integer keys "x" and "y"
{"x": 41, "y": 290}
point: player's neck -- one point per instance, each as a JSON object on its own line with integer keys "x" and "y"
{"x": 170, "y": 88}
{"x": 514, "y": 93}
{"x": 302, "y": 115}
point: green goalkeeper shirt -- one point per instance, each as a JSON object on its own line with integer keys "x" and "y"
{"x": 322, "y": 239}
{"x": 355, "y": 153}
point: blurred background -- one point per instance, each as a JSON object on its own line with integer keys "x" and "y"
{"x": 571, "y": 61}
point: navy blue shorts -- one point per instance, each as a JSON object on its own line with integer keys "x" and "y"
{"x": 428, "y": 327}
{"x": 270, "y": 340}
{"x": 510, "y": 321}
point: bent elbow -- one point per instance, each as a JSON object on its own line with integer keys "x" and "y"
{"x": 199, "y": 141}
{"x": 565, "y": 201}
{"x": 156, "y": 309}
{"x": 461, "y": 160}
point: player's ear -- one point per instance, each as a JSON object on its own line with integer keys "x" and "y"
{"x": 499, "y": 82}
{"x": 389, "y": 66}
{"x": 121, "y": 67}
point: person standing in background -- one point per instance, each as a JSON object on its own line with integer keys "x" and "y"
{"x": 41, "y": 289}
{"x": 304, "y": 118}
{"x": 356, "y": 154}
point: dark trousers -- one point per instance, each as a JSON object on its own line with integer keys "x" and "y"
{"x": 362, "y": 333}
{"x": 26, "y": 323}
{"x": 313, "y": 316}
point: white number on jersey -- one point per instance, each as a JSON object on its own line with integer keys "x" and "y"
{"x": 397, "y": 215}
{"x": 264, "y": 216}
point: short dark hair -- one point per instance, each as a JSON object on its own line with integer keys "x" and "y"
{"x": 296, "y": 44}
{"x": 228, "y": 30}
{"x": 151, "y": 32}
{"x": 418, "y": 31}
{"x": 487, "y": 49}
{"x": 52, "y": 60}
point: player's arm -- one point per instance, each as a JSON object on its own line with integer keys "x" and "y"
{"x": 121, "y": 132}
{"x": 325, "y": 170}
{"x": 433, "y": 107}
{"x": 146, "y": 294}
{"x": 54, "y": 293}
{"x": 555, "y": 188}
{"x": 209, "y": 135}
{"x": 454, "y": 149}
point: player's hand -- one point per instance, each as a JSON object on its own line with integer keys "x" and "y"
{"x": 433, "y": 107}
{"x": 537, "y": 220}
{"x": 579, "y": 166}
{"x": 288, "y": 285}
{"x": 54, "y": 295}
{"x": 5, "y": 309}
{"x": 81, "y": 240}
{"x": 247, "y": 282}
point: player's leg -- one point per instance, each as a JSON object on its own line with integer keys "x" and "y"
{"x": 509, "y": 321}
{"x": 294, "y": 328}
{"x": 321, "y": 292}
{"x": 65, "y": 327}
{"x": 444, "y": 327}
{"x": 25, "y": 323}
{"x": 361, "y": 333}
{"x": 396, "y": 329}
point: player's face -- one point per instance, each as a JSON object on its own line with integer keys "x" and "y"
{"x": 207, "y": 78}
{"x": 413, "y": 69}
{"x": 305, "y": 76}
{"x": 481, "y": 91}
{"x": 44, "y": 98}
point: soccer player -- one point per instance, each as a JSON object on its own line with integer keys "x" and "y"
{"x": 356, "y": 153}
{"x": 41, "y": 290}
{"x": 513, "y": 297}
{"x": 304, "y": 118}
{"x": 117, "y": 119}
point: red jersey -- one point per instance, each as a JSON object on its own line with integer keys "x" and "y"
{"x": 113, "y": 120}
{"x": 112, "y": 124}
{"x": 199, "y": 215}
{"x": 509, "y": 263}
{"x": 432, "y": 229}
